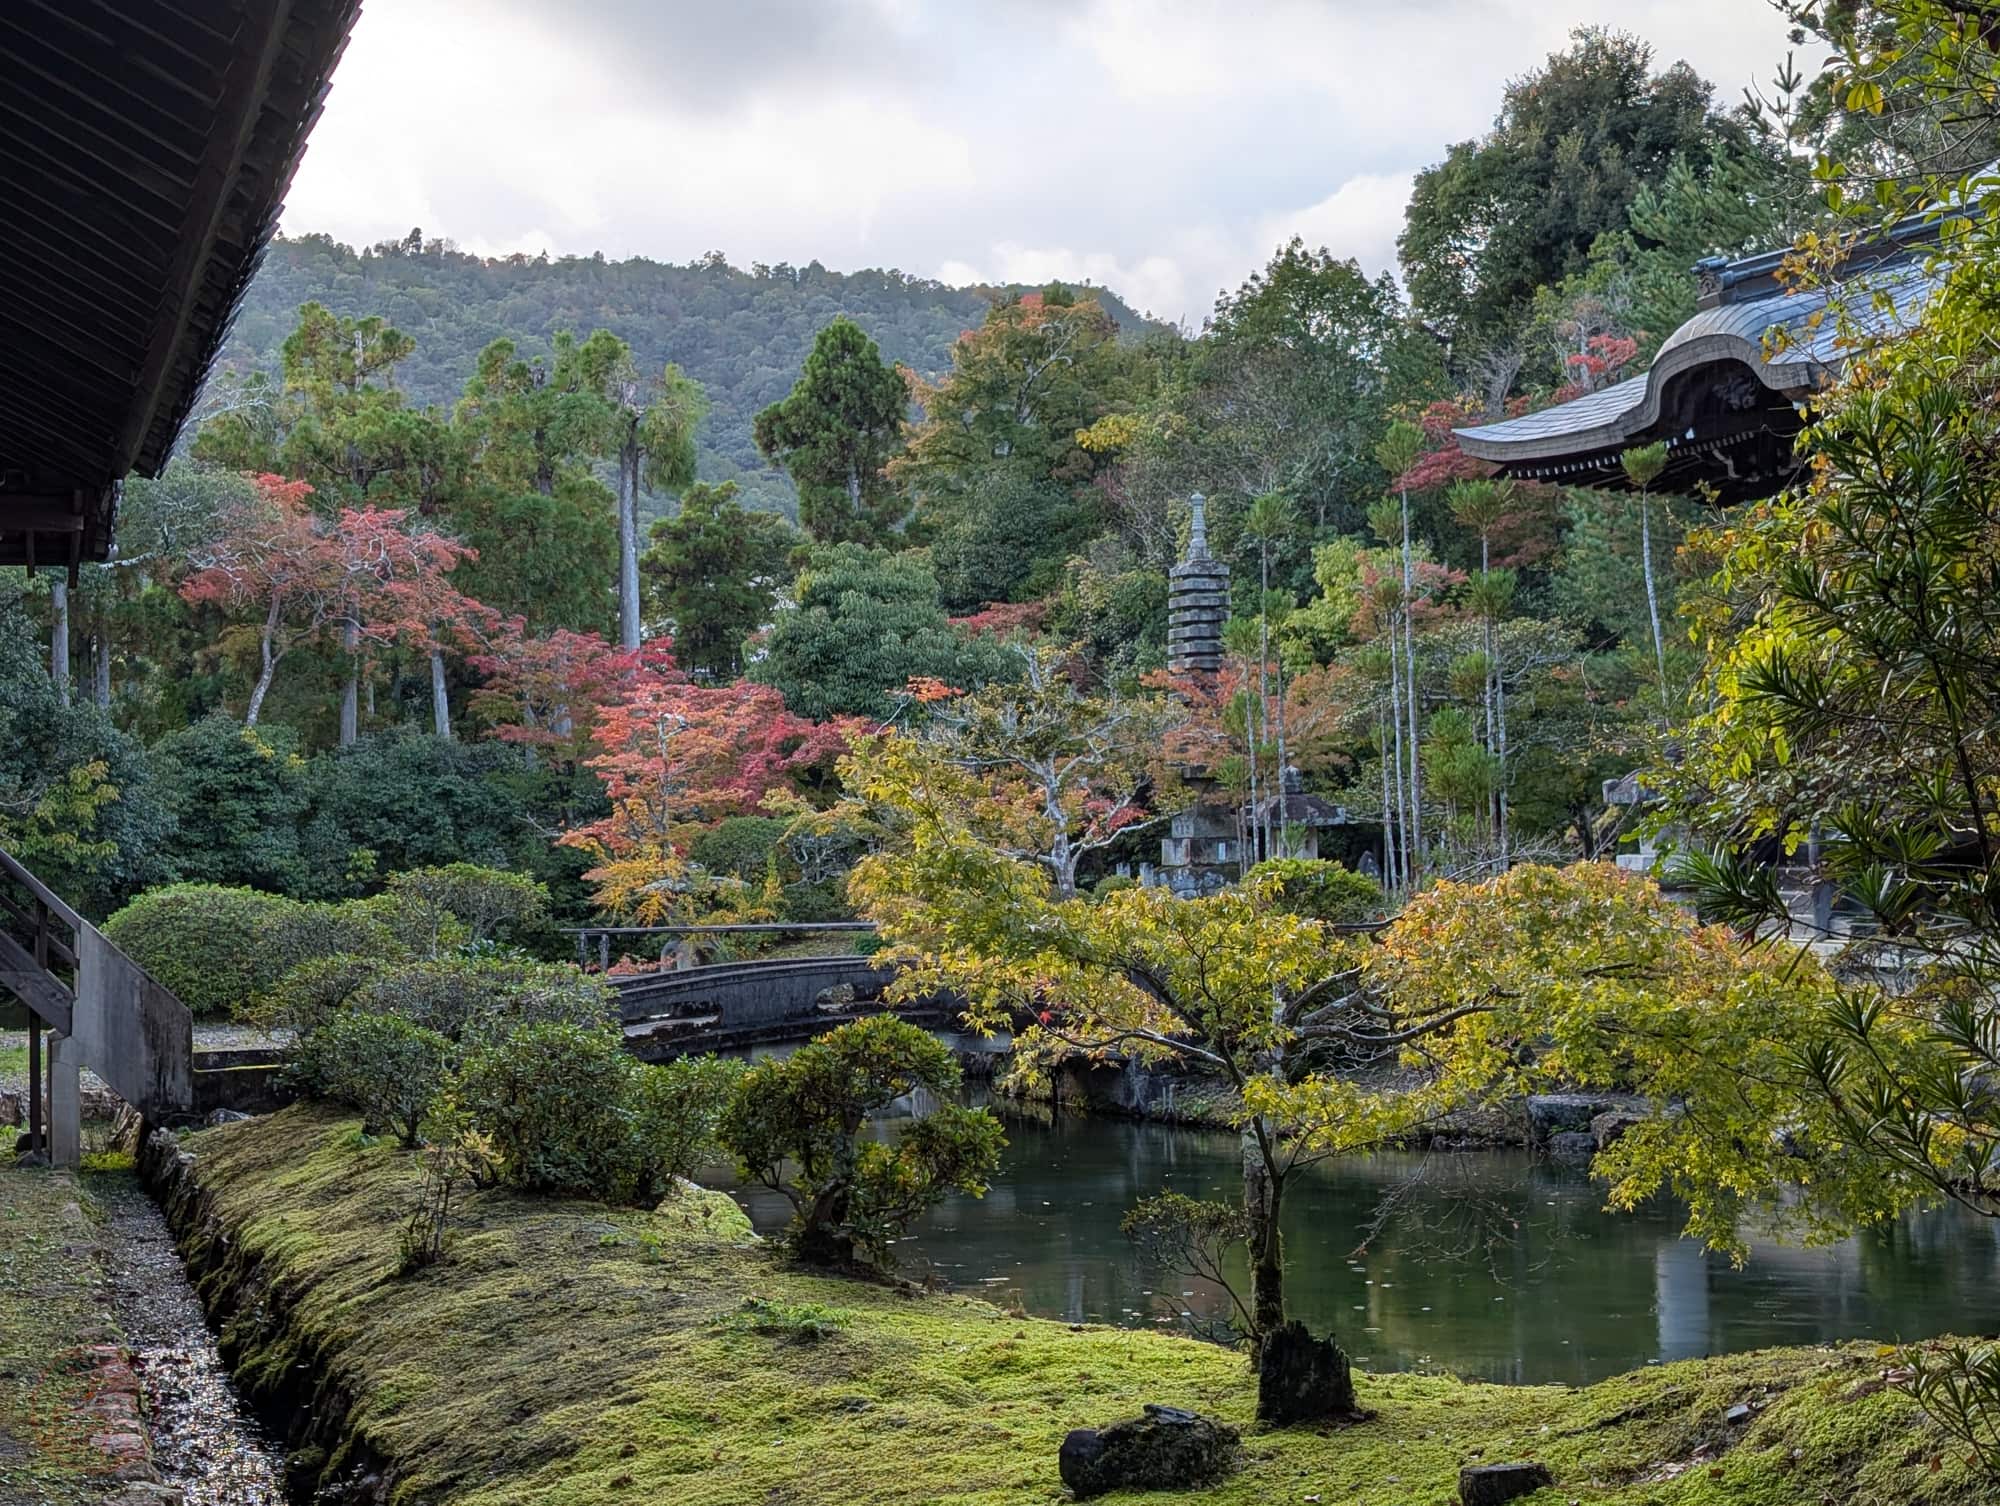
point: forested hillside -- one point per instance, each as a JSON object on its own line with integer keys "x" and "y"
{"x": 742, "y": 335}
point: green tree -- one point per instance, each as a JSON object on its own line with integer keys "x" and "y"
{"x": 544, "y": 526}
{"x": 1291, "y": 385}
{"x": 836, "y": 432}
{"x": 797, "y": 1125}
{"x": 713, "y": 573}
{"x": 863, "y": 623}
{"x": 79, "y": 801}
{"x": 651, "y": 441}
{"x": 1574, "y": 143}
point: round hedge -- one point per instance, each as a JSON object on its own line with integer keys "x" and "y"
{"x": 209, "y": 944}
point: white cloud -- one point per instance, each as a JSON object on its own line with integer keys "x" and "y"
{"x": 1162, "y": 149}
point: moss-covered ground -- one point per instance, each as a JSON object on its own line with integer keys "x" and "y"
{"x": 569, "y": 1354}
{"x": 50, "y": 1304}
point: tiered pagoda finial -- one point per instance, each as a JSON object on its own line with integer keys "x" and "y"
{"x": 1197, "y": 601}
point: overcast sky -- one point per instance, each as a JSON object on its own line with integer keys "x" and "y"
{"x": 1161, "y": 147}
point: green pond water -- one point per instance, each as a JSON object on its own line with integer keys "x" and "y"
{"x": 1488, "y": 1263}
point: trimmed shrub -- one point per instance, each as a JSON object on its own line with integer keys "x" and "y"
{"x": 208, "y": 944}
{"x": 477, "y": 999}
{"x": 311, "y": 932}
{"x": 568, "y": 1112}
{"x": 1318, "y": 889}
{"x": 383, "y": 1065}
{"x": 676, "y": 1108}
{"x": 315, "y": 991}
{"x": 438, "y": 910}
{"x": 797, "y": 1124}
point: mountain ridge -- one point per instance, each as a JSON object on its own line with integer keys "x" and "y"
{"x": 742, "y": 334}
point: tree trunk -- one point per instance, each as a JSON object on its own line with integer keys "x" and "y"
{"x": 268, "y": 666}
{"x": 59, "y": 638}
{"x": 1275, "y": 801}
{"x": 628, "y": 545}
{"x": 1263, "y": 1201}
{"x": 1389, "y": 837}
{"x": 1652, "y": 594}
{"x": 1500, "y": 756}
{"x": 1416, "y": 866}
{"x": 440, "y": 701}
{"x": 100, "y": 667}
{"x": 350, "y": 693}
{"x": 1405, "y": 852}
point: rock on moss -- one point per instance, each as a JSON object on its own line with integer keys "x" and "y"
{"x": 1169, "y": 1448}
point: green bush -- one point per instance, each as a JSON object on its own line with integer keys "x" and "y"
{"x": 1318, "y": 889}
{"x": 796, "y": 1125}
{"x": 309, "y": 932}
{"x": 1113, "y": 883}
{"x": 675, "y": 1108}
{"x": 383, "y": 1065}
{"x": 315, "y": 991}
{"x": 825, "y": 900}
{"x": 208, "y": 944}
{"x": 438, "y": 910}
{"x": 477, "y": 999}
{"x": 741, "y": 847}
{"x": 568, "y": 1112}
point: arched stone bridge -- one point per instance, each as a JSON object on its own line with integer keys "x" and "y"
{"x": 744, "y": 1003}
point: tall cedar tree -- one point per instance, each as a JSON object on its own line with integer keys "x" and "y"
{"x": 833, "y": 434}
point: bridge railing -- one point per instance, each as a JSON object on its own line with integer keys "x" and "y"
{"x": 599, "y": 938}
{"x": 100, "y": 1009}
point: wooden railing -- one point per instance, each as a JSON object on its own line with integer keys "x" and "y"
{"x": 31, "y": 949}
{"x": 100, "y": 1010}
{"x": 601, "y": 935}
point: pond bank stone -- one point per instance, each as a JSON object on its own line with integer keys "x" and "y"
{"x": 1169, "y": 1448}
{"x": 1572, "y": 1147}
{"x": 1496, "y": 1484}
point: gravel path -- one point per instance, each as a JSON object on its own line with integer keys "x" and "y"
{"x": 205, "y": 1441}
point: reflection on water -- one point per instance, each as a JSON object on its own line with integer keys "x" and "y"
{"x": 1488, "y": 1263}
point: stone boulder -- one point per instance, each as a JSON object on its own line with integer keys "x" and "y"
{"x": 1167, "y": 1449}
{"x": 1552, "y": 1114}
{"x": 1496, "y": 1484}
{"x": 1301, "y": 1378}
{"x": 1610, "y": 1126}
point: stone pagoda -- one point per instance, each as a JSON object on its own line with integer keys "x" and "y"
{"x": 1197, "y": 601}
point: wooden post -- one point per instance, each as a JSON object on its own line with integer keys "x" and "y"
{"x": 604, "y": 951}
{"x": 34, "y": 1082}
{"x": 38, "y": 1129}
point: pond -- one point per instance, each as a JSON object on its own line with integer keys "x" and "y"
{"x": 1486, "y": 1263}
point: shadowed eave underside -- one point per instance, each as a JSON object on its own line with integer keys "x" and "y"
{"x": 145, "y": 149}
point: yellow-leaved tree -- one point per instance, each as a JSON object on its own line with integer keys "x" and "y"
{"x": 1336, "y": 1044}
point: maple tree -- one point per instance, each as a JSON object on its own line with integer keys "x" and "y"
{"x": 391, "y": 587}
{"x": 1045, "y": 771}
{"x": 543, "y": 691}
{"x": 674, "y": 756}
{"x": 268, "y": 554}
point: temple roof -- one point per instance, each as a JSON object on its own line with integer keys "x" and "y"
{"x": 145, "y": 148}
{"x": 1725, "y": 390}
